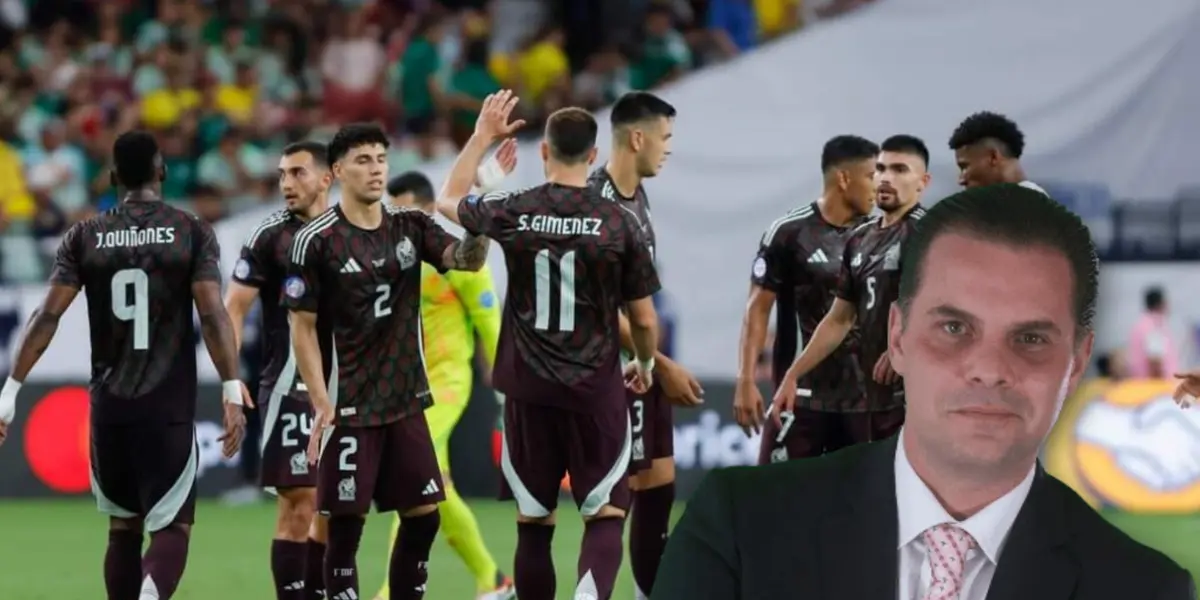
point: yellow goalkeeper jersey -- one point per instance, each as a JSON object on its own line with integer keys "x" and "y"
{"x": 455, "y": 306}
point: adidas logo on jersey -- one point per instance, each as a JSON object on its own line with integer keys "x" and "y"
{"x": 431, "y": 488}
{"x": 351, "y": 266}
{"x": 818, "y": 257}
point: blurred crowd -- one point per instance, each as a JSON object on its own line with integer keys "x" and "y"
{"x": 226, "y": 84}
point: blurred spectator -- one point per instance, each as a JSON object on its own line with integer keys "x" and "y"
{"x": 1111, "y": 366}
{"x": 603, "y": 79}
{"x": 1152, "y": 352}
{"x": 58, "y": 174}
{"x": 232, "y": 168}
{"x": 543, "y": 72}
{"x": 471, "y": 83}
{"x": 734, "y": 23}
{"x": 419, "y": 89}
{"x": 353, "y": 66}
{"x": 664, "y": 55}
{"x": 776, "y": 17}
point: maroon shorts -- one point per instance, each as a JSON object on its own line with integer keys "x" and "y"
{"x": 287, "y": 423}
{"x": 807, "y": 433}
{"x": 653, "y": 428}
{"x": 542, "y": 443}
{"x": 393, "y": 465}
{"x": 146, "y": 470}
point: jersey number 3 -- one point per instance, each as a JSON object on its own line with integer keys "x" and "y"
{"x": 135, "y": 306}
{"x": 543, "y": 267}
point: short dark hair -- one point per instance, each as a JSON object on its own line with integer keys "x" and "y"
{"x": 571, "y": 133}
{"x": 318, "y": 151}
{"x": 635, "y": 107}
{"x": 987, "y": 125}
{"x": 906, "y": 144}
{"x": 135, "y": 159}
{"x": 352, "y": 136}
{"x": 1155, "y": 298}
{"x": 846, "y": 148}
{"x": 1013, "y": 214}
{"x": 413, "y": 182}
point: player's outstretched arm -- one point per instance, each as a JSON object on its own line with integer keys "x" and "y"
{"x": 238, "y": 301}
{"x": 65, "y": 283}
{"x": 829, "y": 334}
{"x": 493, "y": 124}
{"x": 38, "y": 334}
{"x": 747, "y": 400}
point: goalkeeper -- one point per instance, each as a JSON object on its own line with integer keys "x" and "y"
{"x": 455, "y": 307}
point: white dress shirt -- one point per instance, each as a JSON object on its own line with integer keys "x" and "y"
{"x": 919, "y": 510}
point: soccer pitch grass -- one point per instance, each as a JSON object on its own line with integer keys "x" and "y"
{"x": 52, "y": 550}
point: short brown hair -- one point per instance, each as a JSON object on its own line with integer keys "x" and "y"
{"x": 571, "y": 134}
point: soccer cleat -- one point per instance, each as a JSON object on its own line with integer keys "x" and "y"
{"x": 504, "y": 590}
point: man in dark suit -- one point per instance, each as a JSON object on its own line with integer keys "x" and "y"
{"x": 992, "y": 330}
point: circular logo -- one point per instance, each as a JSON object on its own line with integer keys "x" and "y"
{"x": 760, "y": 267}
{"x": 294, "y": 287}
{"x": 242, "y": 269}
{"x": 58, "y": 441}
{"x": 487, "y": 299}
{"x": 1128, "y": 445}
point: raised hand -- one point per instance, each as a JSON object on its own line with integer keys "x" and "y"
{"x": 493, "y": 122}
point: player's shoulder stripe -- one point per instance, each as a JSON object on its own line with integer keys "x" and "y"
{"x": 863, "y": 227}
{"x": 305, "y": 236}
{"x": 274, "y": 219}
{"x": 792, "y": 216}
{"x": 636, "y": 219}
{"x": 916, "y": 213}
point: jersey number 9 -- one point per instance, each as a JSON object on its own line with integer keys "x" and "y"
{"x": 133, "y": 307}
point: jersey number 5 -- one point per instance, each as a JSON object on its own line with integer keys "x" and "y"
{"x": 870, "y": 292}
{"x": 543, "y": 267}
{"x": 137, "y": 310}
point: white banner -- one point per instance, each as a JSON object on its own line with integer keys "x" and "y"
{"x": 1121, "y": 289}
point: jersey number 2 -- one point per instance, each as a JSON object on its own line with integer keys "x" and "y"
{"x": 542, "y": 272}
{"x": 137, "y": 311}
{"x": 382, "y": 309}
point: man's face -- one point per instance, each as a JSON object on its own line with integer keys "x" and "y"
{"x": 363, "y": 172}
{"x": 900, "y": 178}
{"x": 978, "y": 164}
{"x": 987, "y": 360}
{"x": 857, "y": 180}
{"x": 301, "y": 181}
{"x": 652, "y": 143}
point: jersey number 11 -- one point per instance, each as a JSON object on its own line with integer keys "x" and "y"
{"x": 543, "y": 266}
{"x": 137, "y": 311}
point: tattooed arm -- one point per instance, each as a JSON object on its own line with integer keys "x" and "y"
{"x": 468, "y": 254}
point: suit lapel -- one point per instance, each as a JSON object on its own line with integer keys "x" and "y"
{"x": 1036, "y": 563}
{"x": 858, "y": 541}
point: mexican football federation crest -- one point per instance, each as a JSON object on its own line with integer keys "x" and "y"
{"x": 406, "y": 253}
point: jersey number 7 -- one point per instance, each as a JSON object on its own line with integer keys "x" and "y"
{"x": 543, "y": 267}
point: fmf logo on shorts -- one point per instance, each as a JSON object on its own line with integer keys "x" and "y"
{"x": 1128, "y": 445}
{"x": 57, "y": 441}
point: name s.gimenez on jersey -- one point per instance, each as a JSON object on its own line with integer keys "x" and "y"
{"x": 135, "y": 236}
{"x": 553, "y": 225}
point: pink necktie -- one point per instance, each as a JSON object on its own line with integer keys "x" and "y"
{"x": 946, "y": 545}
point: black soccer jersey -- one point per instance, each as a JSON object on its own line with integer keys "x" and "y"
{"x": 136, "y": 264}
{"x": 870, "y": 280}
{"x": 263, "y": 264}
{"x": 367, "y": 283}
{"x": 799, "y": 259}
{"x": 574, "y": 259}
{"x": 601, "y": 183}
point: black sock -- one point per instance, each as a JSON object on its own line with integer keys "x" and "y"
{"x": 407, "y": 571}
{"x": 165, "y": 560}
{"x": 600, "y": 557}
{"x": 287, "y": 569}
{"x": 648, "y": 525}
{"x": 533, "y": 568}
{"x": 123, "y": 564}
{"x": 341, "y": 556}
{"x": 314, "y": 570}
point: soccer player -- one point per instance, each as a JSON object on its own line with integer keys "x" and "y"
{"x": 641, "y": 142}
{"x": 142, "y": 265}
{"x": 357, "y": 267}
{"x": 869, "y": 283}
{"x": 574, "y": 259}
{"x": 987, "y": 148}
{"x": 456, "y": 306}
{"x": 798, "y": 263}
{"x": 296, "y": 557}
